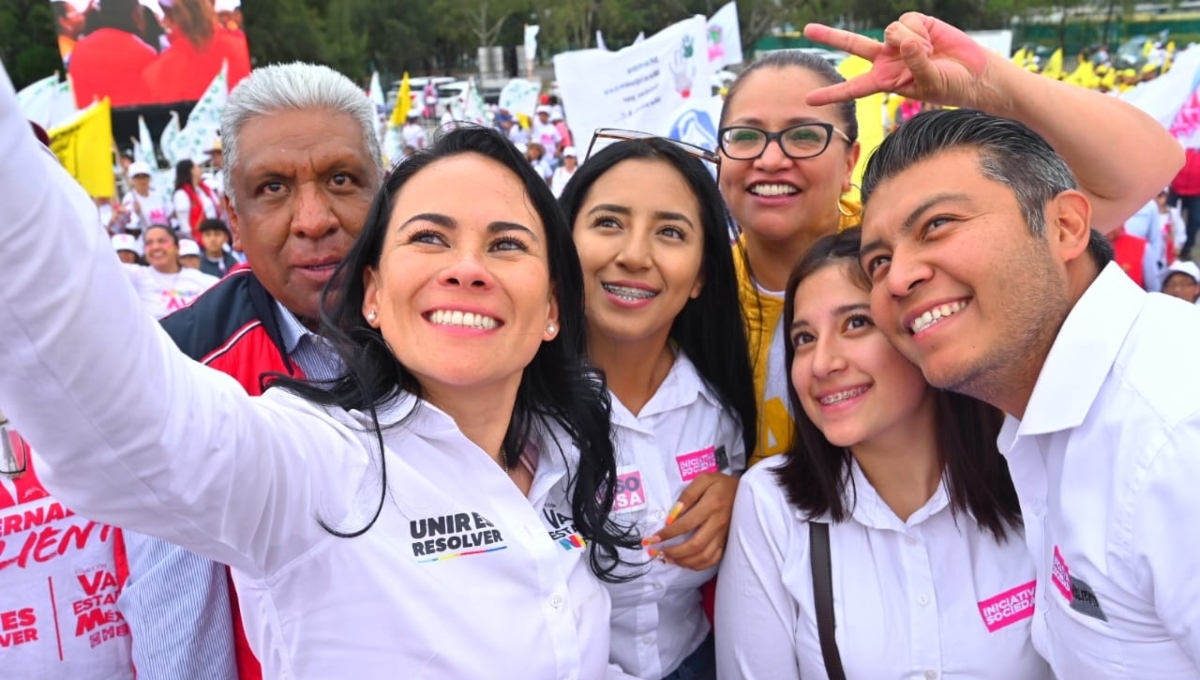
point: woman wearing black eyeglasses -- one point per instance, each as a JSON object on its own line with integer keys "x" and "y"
{"x": 664, "y": 325}
{"x": 788, "y": 142}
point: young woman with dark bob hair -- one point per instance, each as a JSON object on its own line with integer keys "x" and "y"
{"x": 438, "y": 512}
{"x": 901, "y": 486}
{"x": 665, "y": 326}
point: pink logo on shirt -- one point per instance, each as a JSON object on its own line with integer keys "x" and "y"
{"x": 692, "y": 465}
{"x": 1061, "y": 575}
{"x": 1008, "y": 607}
{"x": 630, "y": 494}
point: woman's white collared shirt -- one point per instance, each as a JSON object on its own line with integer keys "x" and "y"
{"x": 934, "y": 597}
{"x": 461, "y": 575}
{"x": 682, "y": 432}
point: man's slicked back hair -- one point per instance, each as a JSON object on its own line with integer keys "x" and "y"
{"x": 1009, "y": 153}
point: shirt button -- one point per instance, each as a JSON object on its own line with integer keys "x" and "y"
{"x": 910, "y": 540}
{"x": 648, "y": 640}
{"x": 931, "y": 675}
{"x": 659, "y": 516}
{"x": 924, "y": 600}
{"x": 658, "y": 586}
{"x": 556, "y": 601}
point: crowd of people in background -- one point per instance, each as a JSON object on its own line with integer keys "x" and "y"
{"x": 176, "y": 241}
{"x": 545, "y": 140}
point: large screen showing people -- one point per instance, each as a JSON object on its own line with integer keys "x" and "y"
{"x": 138, "y": 52}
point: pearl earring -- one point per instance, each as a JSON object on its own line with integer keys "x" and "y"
{"x": 550, "y": 329}
{"x": 371, "y": 316}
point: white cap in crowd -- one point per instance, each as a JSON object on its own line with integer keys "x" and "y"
{"x": 542, "y": 108}
{"x": 188, "y": 247}
{"x": 125, "y": 242}
{"x": 139, "y": 168}
{"x": 570, "y": 151}
{"x": 1182, "y": 267}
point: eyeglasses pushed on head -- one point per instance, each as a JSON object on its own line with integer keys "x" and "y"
{"x": 604, "y": 137}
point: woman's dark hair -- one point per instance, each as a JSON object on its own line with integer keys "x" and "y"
{"x": 122, "y": 15}
{"x": 183, "y": 173}
{"x": 816, "y": 472}
{"x": 559, "y": 395}
{"x": 170, "y": 232}
{"x": 815, "y": 64}
{"x": 710, "y": 329}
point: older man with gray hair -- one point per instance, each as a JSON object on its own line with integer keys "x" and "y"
{"x": 302, "y": 166}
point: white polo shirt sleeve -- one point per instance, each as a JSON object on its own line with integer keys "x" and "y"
{"x": 756, "y": 617}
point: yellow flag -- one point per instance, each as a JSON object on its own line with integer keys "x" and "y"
{"x": 870, "y": 118}
{"x": 1147, "y": 48}
{"x": 1019, "y": 57}
{"x": 84, "y": 146}
{"x": 1084, "y": 75}
{"x": 1109, "y": 80}
{"x": 1054, "y": 65}
{"x": 403, "y": 103}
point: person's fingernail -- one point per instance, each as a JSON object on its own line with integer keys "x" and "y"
{"x": 646, "y": 542}
{"x": 676, "y": 510}
{"x": 653, "y": 553}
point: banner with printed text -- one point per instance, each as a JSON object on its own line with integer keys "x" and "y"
{"x": 60, "y": 578}
{"x": 661, "y": 85}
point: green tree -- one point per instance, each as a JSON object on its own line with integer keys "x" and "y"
{"x": 284, "y": 30}
{"x": 28, "y": 41}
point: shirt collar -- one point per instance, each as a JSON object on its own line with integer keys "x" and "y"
{"x": 290, "y": 328}
{"x": 869, "y": 509}
{"x": 679, "y": 389}
{"x": 1082, "y": 356}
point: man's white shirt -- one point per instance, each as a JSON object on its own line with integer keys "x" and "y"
{"x": 1106, "y": 463}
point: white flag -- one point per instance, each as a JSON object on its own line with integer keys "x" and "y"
{"x": 143, "y": 146}
{"x": 520, "y": 96}
{"x": 376, "y": 91}
{"x": 169, "y": 141}
{"x": 474, "y": 109}
{"x": 37, "y": 99}
{"x": 724, "y": 37}
{"x": 392, "y": 146}
{"x": 204, "y": 122}
{"x": 63, "y": 107}
{"x": 600, "y": 41}
{"x": 531, "y": 34}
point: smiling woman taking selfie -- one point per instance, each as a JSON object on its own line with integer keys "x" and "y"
{"x": 438, "y": 512}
